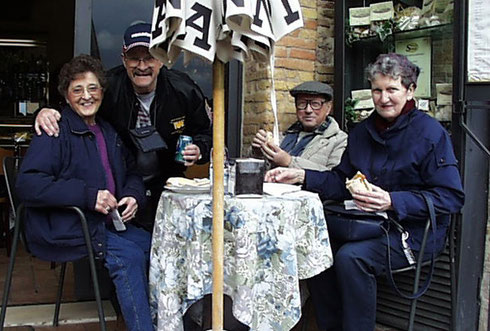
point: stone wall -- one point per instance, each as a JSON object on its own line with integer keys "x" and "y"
{"x": 305, "y": 54}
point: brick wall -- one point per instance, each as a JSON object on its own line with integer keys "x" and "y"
{"x": 305, "y": 54}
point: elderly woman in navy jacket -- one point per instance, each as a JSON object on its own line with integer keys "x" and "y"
{"x": 402, "y": 152}
{"x": 87, "y": 166}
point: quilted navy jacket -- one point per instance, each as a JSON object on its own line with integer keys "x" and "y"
{"x": 67, "y": 171}
{"x": 412, "y": 156}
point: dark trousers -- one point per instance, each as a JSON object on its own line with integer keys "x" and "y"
{"x": 145, "y": 216}
{"x": 344, "y": 296}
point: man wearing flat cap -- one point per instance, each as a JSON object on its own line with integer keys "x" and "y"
{"x": 314, "y": 141}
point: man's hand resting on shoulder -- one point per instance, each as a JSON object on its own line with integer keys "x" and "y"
{"x": 47, "y": 120}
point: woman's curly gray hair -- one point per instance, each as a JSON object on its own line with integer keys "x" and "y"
{"x": 77, "y": 66}
{"x": 394, "y": 65}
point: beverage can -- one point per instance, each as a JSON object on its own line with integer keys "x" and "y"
{"x": 182, "y": 142}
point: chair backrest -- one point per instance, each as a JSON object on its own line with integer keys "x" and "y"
{"x": 3, "y": 154}
{"x": 11, "y": 166}
{"x": 3, "y": 185}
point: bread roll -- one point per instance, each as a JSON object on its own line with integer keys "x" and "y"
{"x": 269, "y": 137}
{"x": 358, "y": 183}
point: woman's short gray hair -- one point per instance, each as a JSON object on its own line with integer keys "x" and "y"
{"x": 394, "y": 65}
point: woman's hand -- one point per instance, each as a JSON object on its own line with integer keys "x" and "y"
{"x": 105, "y": 202}
{"x": 377, "y": 200}
{"x": 285, "y": 175}
{"x": 131, "y": 208}
{"x": 191, "y": 154}
{"x": 47, "y": 119}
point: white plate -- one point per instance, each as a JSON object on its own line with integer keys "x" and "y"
{"x": 248, "y": 196}
{"x": 189, "y": 189}
{"x": 280, "y": 188}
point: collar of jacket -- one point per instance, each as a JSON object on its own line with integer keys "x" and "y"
{"x": 76, "y": 123}
{"x": 401, "y": 123}
{"x": 298, "y": 127}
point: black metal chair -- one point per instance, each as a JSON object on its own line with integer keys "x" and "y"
{"x": 11, "y": 166}
{"x": 417, "y": 269}
{"x": 5, "y": 232}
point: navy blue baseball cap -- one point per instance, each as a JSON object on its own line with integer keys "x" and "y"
{"x": 137, "y": 35}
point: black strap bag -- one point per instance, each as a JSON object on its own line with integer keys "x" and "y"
{"x": 148, "y": 142}
{"x": 417, "y": 265}
{"x": 147, "y": 139}
{"x": 354, "y": 225}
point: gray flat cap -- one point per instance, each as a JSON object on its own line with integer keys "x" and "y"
{"x": 313, "y": 87}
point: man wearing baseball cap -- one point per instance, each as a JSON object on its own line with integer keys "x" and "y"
{"x": 314, "y": 141}
{"x": 142, "y": 93}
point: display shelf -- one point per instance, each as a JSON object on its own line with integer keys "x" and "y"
{"x": 435, "y": 31}
{"x": 24, "y": 76}
{"x": 353, "y": 55}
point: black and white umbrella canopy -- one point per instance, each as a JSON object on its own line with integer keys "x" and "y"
{"x": 222, "y": 29}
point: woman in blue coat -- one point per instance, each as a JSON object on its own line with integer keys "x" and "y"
{"x": 402, "y": 152}
{"x": 87, "y": 166}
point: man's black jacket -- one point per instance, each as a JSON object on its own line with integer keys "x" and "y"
{"x": 180, "y": 109}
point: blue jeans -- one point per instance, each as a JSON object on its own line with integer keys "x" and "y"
{"x": 344, "y": 296}
{"x": 127, "y": 259}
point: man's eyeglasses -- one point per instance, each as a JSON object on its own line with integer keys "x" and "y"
{"x": 80, "y": 90}
{"x": 314, "y": 104}
{"x": 135, "y": 61}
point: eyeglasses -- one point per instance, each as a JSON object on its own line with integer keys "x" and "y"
{"x": 78, "y": 91}
{"x": 135, "y": 61}
{"x": 314, "y": 104}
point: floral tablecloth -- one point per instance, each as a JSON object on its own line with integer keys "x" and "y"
{"x": 270, "y": 243}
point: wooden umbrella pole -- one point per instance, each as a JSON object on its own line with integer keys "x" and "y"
{"x": 218, "y": 191}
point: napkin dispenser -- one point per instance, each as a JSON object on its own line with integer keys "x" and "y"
{"x": 249, "y": 176}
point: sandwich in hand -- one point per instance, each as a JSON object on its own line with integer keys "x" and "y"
{"x": 269, "y": 137}
{"x": 358, "y": 183}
